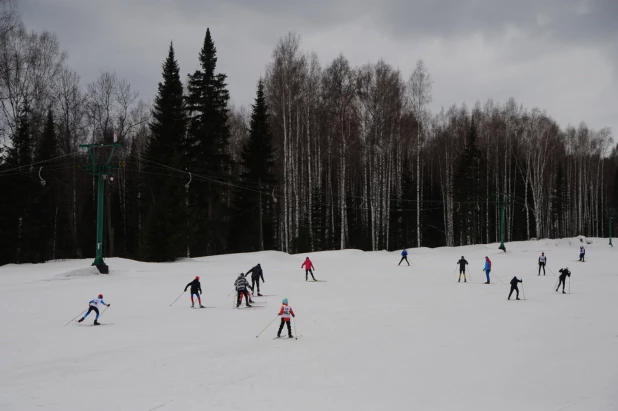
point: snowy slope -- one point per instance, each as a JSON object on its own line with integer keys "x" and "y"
{"x": 373, "y": 337}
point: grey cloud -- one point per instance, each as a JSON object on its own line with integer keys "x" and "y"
{"x": 483, "y": 48}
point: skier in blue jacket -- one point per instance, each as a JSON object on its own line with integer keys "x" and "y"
{"x": 404, "y": 256}
{"x": 487, "y": 268}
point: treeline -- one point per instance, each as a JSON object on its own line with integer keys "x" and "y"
{"x": 326, "y": 158}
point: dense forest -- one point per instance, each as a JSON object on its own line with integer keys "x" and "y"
{"x": 328, "y": 157}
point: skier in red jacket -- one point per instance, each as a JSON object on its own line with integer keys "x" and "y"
{"x": 308, "y": 266}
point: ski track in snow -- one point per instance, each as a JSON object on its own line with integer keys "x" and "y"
{"x": 375, "y": 336}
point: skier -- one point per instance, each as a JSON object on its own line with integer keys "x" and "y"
{"x": 487, "y": 268}
{"x": 582, "y": 253}
{"x": 542, "y": 262}
{"x": 514, "y": 282}
{"x": 462, "y": 268}
{"x": 196, "y": 289}
{"x": 93, "y": 305}
{"x": 285, "y": 313}
{"x": 241, "y": 285}
{"x": 404, "y": 256}
{"x": 308, "y": 266}
{"x": 256, "y": 274}
{"x": 564, "y": 272}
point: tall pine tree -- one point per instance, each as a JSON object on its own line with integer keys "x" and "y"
{"x": 164, "y": 234}
{"x": 469, "y": 181}
{"x": 20, "y": 230}
{"x": 254, "y": 208}
{"x": 206, "y": 153}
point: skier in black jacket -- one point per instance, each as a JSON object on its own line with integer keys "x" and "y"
{"x": 256, "y": 274}
{"x": 514, "y": 282}
{"x": 196, "y": 289}
{"x": 564, "y": 272}
{"x": 462, "y": 268}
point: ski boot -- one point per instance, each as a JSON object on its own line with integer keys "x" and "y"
{"x": 96, "y": 323}
{"x": 465, "y": 281}
{"x": 201, "y": 306}
{"x": 459, "y": 280}
{"x": 249, "y": 305}
{"x": 237, "y": 305}
{"x": 80, "y": 320}
{"x": 260, "y": 295}
{"x": 563, "y": 292}
{"x": 290, "y": 336}
{"x": 517, "y": 298}
{"x": 192, "y": 305}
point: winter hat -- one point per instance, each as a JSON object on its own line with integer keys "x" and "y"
{"x": 100, "y": 295}
{"x": 284, "y": 301}
{"x": 240, "y": 275}
{"x": 197, "y": 277}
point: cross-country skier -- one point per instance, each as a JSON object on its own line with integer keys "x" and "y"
{"x": 462, "y": 268}
{"x": 514, "y": 282}
{"x": 308, "y": 266}
{"x": 93, "y": 305}
{"x": 285, "y": 313}
{"x": 542, "y": 262}
{"x": 241, "y": 285}
{"x": 196, "y": 289}
{"x": 404, "y": 256}
{"x": 487, "y": 269}
{"x": 582, "y": 253}
{"x": 256, "y": 274}
{"x": 564, "y": 272}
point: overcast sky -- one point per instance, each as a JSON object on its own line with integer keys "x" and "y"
{"x": 558, "y": 55}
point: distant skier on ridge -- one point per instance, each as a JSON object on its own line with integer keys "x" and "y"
{"x": 93, "y": 305}
{"x": 196, "y": 289}
{"x": 487, "y": 269}
{"x": 308, "y": 266}
{"x": 582, "y": 254}
{"x": 514, "y": 282}
{"x": 404, "y": 256}
{"x": 542, "y": 262}
{"x": 256, "y": 274}
{"x": 462, "y": 268}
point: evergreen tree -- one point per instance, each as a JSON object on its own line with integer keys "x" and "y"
{"x": 46, "y": 199}
{"x": 206, "y": 154}
{"x": 19, "y": 229}
{"x": 165, "y": 228}
{"x": 254, "y": 206}
{"x": 469, "y": 180}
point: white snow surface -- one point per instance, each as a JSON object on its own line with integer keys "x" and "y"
{"x": 374, "y": 336}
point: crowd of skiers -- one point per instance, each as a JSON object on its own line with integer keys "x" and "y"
{"x": 242, "y": 286}
{"x": 564, "y": 272}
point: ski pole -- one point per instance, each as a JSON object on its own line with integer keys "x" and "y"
{"x": 455, "y": 272}
{"x": 499, "y": 279}
{"x": 101, "y": 315}
{"x": 295, "y": 333}
{"x": 569, "y": 284}
{"x": 267, "y": 326}
{"x": 523, "y": 291}
{"x": 76, "y": 317}
{"x": 177, "y": 299}
{"x": 469, "y": 273}
{"x": 556, "y": 285}
{"x": 550, "y": 270}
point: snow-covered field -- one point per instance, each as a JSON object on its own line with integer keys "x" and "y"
{"x": 374, "y": 336}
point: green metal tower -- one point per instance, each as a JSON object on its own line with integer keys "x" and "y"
{"x": 103, "y": 169}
